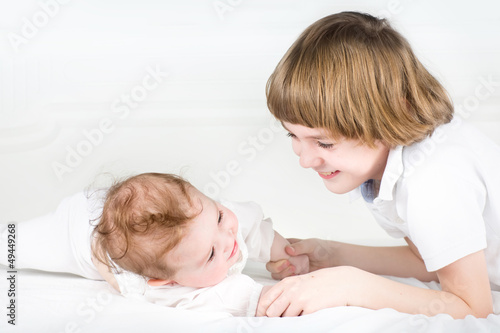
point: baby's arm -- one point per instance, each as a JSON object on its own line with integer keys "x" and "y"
{"x": 106, "y": 273}
{"x": 300, "y": 262}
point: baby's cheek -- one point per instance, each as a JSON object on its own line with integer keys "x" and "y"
{"x": 221, "y": 274}
{"x": 214, "y": 277}
{"x": 235, "y": 221}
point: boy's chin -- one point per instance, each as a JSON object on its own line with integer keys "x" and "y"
{"x": 338, "y": 189}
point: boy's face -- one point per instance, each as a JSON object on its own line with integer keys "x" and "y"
{"x": 209, "y": 248}
{"x": 344, "y": 165}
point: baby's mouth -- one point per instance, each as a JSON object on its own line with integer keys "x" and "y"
{"x": 235, "y": 250}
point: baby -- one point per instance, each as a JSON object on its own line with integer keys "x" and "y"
{"x": 158, "y": 238}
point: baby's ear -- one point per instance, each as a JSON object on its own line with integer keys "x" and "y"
{"x": 158, "y": 282}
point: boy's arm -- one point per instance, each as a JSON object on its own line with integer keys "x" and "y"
{"x": 301, "y": 262}
{"x": 402, "y": 261}
{"x": 465, "y": 291}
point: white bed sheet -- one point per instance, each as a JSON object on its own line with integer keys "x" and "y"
{"x": 56, "y": 303}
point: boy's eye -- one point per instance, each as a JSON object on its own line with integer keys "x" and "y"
{"x": 319, "y": 143}
{"x": 325, "y": 145}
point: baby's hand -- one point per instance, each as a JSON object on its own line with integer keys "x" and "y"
{"x": 301, "y": 263}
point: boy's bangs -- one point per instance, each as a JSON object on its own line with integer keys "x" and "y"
{"x": 300, "y": 97}
{"x": 356, "y": 77}
{"x": 314, "y": 96}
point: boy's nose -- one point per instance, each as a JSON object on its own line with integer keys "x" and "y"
{"x": 309, "y": 159}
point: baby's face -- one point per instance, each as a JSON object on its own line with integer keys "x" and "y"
{"x": 209, "y": 248}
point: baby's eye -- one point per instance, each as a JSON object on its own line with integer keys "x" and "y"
{"x": 325, "y": 145}
{"x": 212, "y": 254}
{"x": 221, "y": 216}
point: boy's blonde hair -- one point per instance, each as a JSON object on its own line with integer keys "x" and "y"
{"x": 356, "y": 77}
{"x": 143, "y": 218}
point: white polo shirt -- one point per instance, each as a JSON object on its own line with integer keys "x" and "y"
{"x": 443, "y": 193}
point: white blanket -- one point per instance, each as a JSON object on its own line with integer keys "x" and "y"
{"x": 56, "y": 303}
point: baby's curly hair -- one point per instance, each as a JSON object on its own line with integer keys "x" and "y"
{"x": 143, "y": 218}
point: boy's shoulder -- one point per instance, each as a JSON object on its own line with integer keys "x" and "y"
{"x": 456, "y": 147}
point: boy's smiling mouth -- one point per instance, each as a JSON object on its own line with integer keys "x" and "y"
{"x": 328, "y": 175}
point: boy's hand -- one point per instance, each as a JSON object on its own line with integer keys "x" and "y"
{"x": 304, "y": 294}
{"x": 301, "y": 264}
{"x": 316, "y": 250}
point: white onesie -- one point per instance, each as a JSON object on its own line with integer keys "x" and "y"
{"x": 60, "y": 242}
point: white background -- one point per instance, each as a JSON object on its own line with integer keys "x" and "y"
{"x": 66, "y": 65}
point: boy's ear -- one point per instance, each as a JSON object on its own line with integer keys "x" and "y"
{"x": 158, "y": 282}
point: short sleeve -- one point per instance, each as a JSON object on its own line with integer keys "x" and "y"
{"x": 257, "y": 231}
{"x": 446, "y": 223}
{"x": 238, "y": 295}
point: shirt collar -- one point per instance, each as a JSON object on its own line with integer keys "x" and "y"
{"x": 393, "y": 171}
